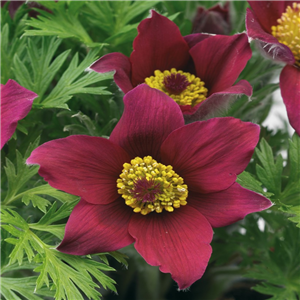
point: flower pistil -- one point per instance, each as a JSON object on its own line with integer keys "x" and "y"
{"x": 148, "y": 186}
{"x": 288, "y": 30}
{"x": 183, "y": 87}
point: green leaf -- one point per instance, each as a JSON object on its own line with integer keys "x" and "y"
{"x": 71, "y": 82}
{"x": 269, "y": 172}
{"x": 281, "y": 280}
{"x": 9, "y": 48}
{"x": 22, "y": 286}
{"x": 63, "y": 22}
{"x": 24, "y": 242}
{"x": 19, "y": 173}
{"x": 247, "y": 181}
{"x": 291, "y": 193}
{"x": 37, "y": 70}
{"x": 68, "y": 275}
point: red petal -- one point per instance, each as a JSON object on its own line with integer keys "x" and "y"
{"x": 217, "y": 103}
{"x": 219, "y": 60}
{"x": 177, "y": 242}
{"x": 16, "y": 102}
{"x": 97, "y": 228}
{"x": 267, "y": 12}
{"x": 158, "y": 46}
{"x": 268, "y": 44}
{"x": 209, "y": 154}
{"x": 82, "y": 165}
{"x": 146, "y": 121}
{"x": 290, "y": 92}
{"x": 195, "y": 38}
{"x": 119, "y": 63}
{"x": 228, "y": 206}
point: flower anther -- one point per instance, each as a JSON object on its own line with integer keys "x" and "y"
{"x": 148, "y": 186}
{"x": 288, "y": 30}
{"x": 183, "y": 87}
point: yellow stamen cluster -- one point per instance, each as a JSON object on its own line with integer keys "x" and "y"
{"x": 288, "y": 30}
{"x": 143, "y": 175}
{"x": 192, "y": 95}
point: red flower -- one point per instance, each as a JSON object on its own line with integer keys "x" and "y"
{"x": 215, "y": 20}
{"x": 155, "y": 182}
{"x": 16, "y": 102}
{"x": 276, "y": 27}
{"x": 209, "y": 64}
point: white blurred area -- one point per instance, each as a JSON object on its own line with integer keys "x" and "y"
{"x": 278, "y": 115}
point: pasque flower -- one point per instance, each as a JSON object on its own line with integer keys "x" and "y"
{"x": 198, "y": 71}
{"x": 16, "y": 102}
{"x": 276, "y": 27}
{"x": 155, "y": 182}
{"x": 215, "y": 20}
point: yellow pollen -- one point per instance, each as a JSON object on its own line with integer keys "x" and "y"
{"x": 288, "y": 30}
{"x": 148, "y": 186}
{"x": 190, "y": 89}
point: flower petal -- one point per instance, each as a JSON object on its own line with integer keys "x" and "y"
{"x": 267, "y": 43}
{"x": 177, "y": 242}
{"x": 228, "y": 206}
{"x": 217, "y": 103}
{"x": 16, "y": 102}
{"x": 290, "y": 92}
{"x": 219, "y": 60}
{"x": 267, "y": 12}
{"x": 195, "y": 38}
{"x": 82, "y": 165}
{"x": 209, "y": 154}
{"x": 158, "y": 46}
{"x": 119, "y": 63}
{"x": 97, "y": 228}
{"x": 149, "y": 116}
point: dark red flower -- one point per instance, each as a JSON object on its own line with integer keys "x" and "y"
{"x": 13, "y": 6}
{"x": 276, "y": 27}
{"x": 210, "y": 64}
{"x": 155, "y": 182}
{"x": 215, "y": 20}
{"x": 16, "y": 102}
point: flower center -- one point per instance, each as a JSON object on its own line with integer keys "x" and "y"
{"x": 288, "y": 30}
{"x": 184, "y": 88}
{"x": 147, "y": 186}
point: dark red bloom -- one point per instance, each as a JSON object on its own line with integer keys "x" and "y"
{"x": 16, "y": 102}
{"x": 215, "y": 20}
{"x": 13, "y": 6}
{"x": 280, "y": 41}
{"x": 155, "y": 182}
{"x": 211, "y": 65}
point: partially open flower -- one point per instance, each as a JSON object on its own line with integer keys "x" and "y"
{"x": 16, "y": 102}
{"x": 276, "y": 27}
{"x": 198, "y": 71}
{"x": 156, "y": 182}
{"x": 215, "y": 20}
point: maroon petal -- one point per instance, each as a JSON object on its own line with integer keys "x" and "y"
{"x": 82, "y": 165}
{"x": 290, "y": 92}
{"x": 16, "y": 102}
{"x": 228, "y": 206}
{"x": 119, "y": 63}
{"x": 195, "y": 38}
{"x": 220, "y": 59}
{"x": 177, "y": 242}
{"x": 209, "y": 154}
{"x": 149, "y": 116}
{"x": 267, "y": 43}
{"x": 267, "y": 12}
{"x": 158, "y": 46}
{"x": 97, "y": 228}
{"x": 217, "y": 103}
